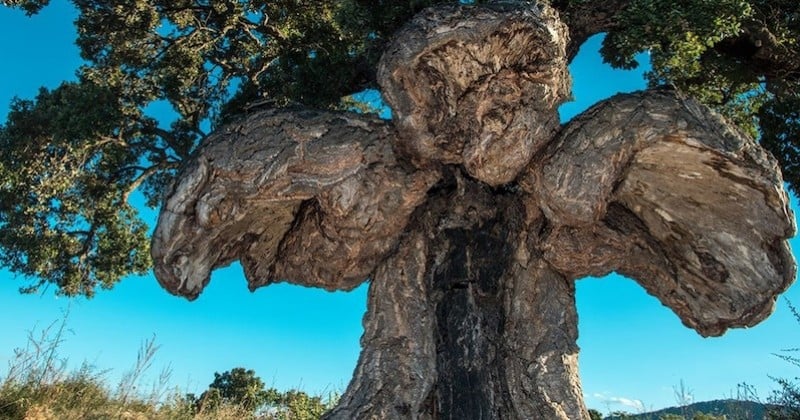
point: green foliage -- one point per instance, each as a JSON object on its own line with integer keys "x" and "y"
{"x": 675, "y": 33}
{"x": 238, "y": 386}
{"x": 30, "y": 7}
{"x": 741, "y": 57}
{"x": 298, "y": 405}
{"x": 780, "y": 133}
{"x": 74, "y": 155}
{"x": 242, "y": 388}
{"x": 66, "y": 172}
{"x": 595, "y": 415}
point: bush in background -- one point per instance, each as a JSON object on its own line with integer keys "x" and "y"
{"x": 38, "y": 386}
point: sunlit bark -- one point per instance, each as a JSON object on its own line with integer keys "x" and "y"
{"x": 473, "y": 212}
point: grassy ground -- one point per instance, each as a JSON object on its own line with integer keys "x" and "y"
{"x": 37, "y": 386}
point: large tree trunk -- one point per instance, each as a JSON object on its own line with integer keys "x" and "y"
{"x": 471, "y": 308}
{"x": 466, "y": 320}
{"x": 473, "y": 212}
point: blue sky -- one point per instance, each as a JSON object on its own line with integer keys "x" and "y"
{"x": 634, "y": 350}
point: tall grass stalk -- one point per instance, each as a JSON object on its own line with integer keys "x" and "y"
{"x": 38, "y": 386}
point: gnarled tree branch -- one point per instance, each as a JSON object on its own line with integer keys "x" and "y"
{"x": 474, "y": 232}
{"x": 661, "y": 189}
{"x": 314, "y": 198}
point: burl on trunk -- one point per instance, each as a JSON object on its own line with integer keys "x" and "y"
{"x": 474, "y": 211}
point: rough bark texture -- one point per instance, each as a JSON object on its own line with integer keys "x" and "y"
{"x": 466, "y": 320}
{"x": 314, "y": 197}
{"x": 664, "y": 191}
{"x": 474, "y": 232}
{"x": 477, "y": 86}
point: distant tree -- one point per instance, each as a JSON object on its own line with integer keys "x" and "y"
{"x": 241, "y": 387}
{"x": 595, "y": 415}
{"x": 237, "y": 386}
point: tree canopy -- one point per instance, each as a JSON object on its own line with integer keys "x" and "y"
{"x": 73, "y": 155}
{"x": 243, "y": 388}
{"x": 237, "y": 386}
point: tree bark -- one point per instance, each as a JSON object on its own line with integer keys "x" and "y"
{"x": 471, "y": 311}
{"x": 473, "y": 213}
{"x": 663, "y": 190}
{"x": 466, "y": 320}
{"x": 477, "y": 86}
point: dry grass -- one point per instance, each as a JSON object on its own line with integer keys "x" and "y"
{"x": 38, "y": 386}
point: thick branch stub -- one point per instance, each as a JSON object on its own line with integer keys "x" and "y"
{"x": 477, "y": 85}
{"x": 663, "y": 190}
{"x": 316, "y": 198}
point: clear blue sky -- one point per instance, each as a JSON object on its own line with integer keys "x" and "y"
{"x": 634, "y": 351}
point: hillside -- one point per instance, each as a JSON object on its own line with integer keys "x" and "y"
{"x": 733, "y": 409}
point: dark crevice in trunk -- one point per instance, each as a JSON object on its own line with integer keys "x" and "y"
{"x": 471, "y": 330}
{"x": 471, "y": 310}
{"x": 468, "y": 298}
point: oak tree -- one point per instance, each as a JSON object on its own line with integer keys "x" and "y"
{"x": 472, "y": 211}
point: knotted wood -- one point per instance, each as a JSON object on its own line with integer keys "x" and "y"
{"x": 477, "y": 86}
{"x": 664, "y": 191}
{"x": 473, "y": 212}
{"x": 317, "y": 198}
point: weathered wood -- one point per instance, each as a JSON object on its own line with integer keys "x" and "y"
{"x": 661, "y": 189}
{"x": 315, "y": 198}
{"x": 475, "y": 230}
{"x": 466, "y": 320}
{"x": 477, "y": 86}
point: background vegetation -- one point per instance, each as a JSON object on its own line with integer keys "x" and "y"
{"x": 782, "y": 404}
{"x": 38, "y": 386}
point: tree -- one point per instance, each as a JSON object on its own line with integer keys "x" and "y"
{"x": 237, "y": 386}
{"x": 595, "y": 415}
{"x": 472, "y": 211}
{"x": 242, "y": 388}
